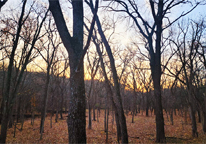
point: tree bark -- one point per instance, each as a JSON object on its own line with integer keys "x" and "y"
{"x": 89, "y": 117}
{"x": 74, "y": 45}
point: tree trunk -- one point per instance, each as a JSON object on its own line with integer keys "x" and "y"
{"x": 94, "y": 116}
{"x": 107, "y": 123}
{"x": 109, "y": 90}
{"x": 171, "y": 116}
{"x": 56, "y": 117}
{"x": 43, "y": 112}
{"x": 51, "y": 119}
{"x": 160, "y": 134}
{"x": 18, "y": 109}
{"x": 105, "y": 116}
{"x": 119, "y": 134}
{"x": 76, "y": 116}
{"x": 11, "y": 119}
{"x": 199, "y": 116}
{"x": 133, "y": 116}
{"x": 185, "y": 115}
{"x": 61, "y": 106}
{"x": 192, "y": 115}
{"x": 203, "y": 122}
{"x": 4, "y": 126}
{"x": 97, "y": 115}
{"x": 147, "y": 105}
{"x": 89, "y": 117}
{"x": 204, "y": 116}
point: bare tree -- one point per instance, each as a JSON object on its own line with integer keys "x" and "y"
{"x": 11, "y": 93}
{"x": 152, "y": 32}
{"x": 93, "y": 67}
{"x": 74, "y": 46}
{"x": 50, "y": 47}
{"x": 116, "y": 95}
{"x": 187, "y": 47}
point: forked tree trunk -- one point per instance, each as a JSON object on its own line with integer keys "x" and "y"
{"x": 74, "y": 45}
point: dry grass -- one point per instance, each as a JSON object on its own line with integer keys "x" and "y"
{"x": 141, "y": 131}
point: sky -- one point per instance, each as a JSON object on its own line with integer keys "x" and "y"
{"x": 123, "y": 35}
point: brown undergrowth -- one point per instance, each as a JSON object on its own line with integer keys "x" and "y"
{"x": 141, "y": 131}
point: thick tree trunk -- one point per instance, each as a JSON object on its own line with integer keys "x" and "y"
{"x": 156, "y": 76}
{"x": 155, "y": 64}
{"x": 160, "y": 134}
{"x": 4, "y": 126}
{"x": 76, "y": 115}
{"x": 119, "y": 134}
{"x": 74, "y": 45}
{"x": 76, "y": 119}
{"x": 204, "y": 122}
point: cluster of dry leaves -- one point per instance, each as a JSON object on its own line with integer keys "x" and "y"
{"x": 141, "y": 131}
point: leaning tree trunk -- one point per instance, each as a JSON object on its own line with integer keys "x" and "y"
{"x": 117, "y": 96}
{"x": 109, "y": 90}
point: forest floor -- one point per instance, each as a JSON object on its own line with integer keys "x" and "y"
{"x": 141, "y": 131}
